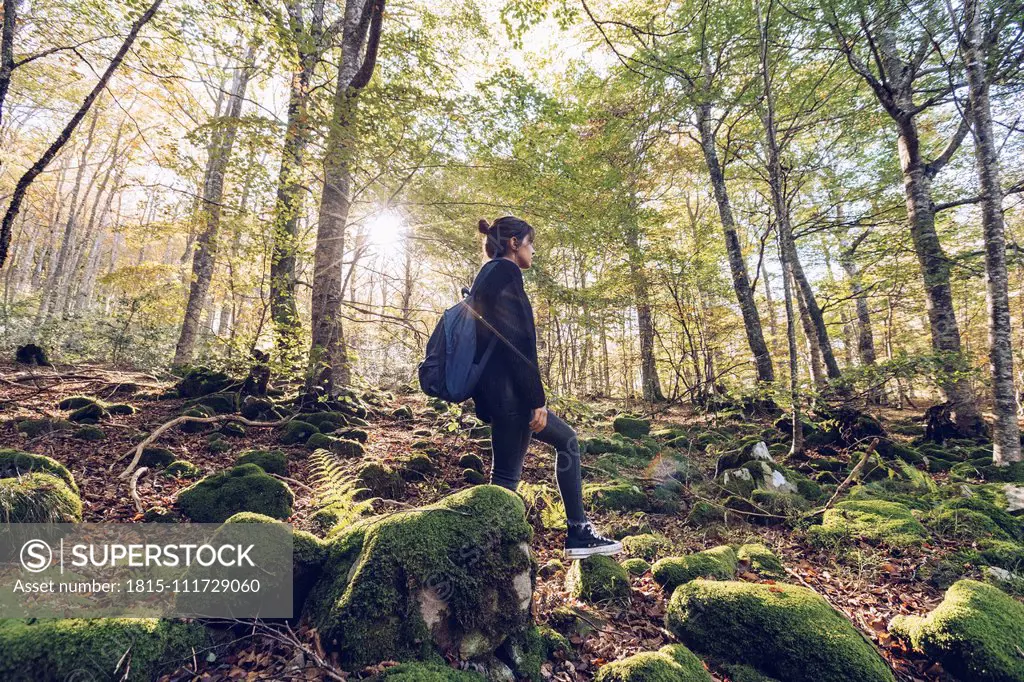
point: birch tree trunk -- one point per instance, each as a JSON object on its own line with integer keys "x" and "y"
{"x": 1006, "y": 431}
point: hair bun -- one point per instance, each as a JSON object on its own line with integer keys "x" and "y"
{"x": 483, "y": 226}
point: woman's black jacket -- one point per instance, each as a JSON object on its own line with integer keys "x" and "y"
{"x": 509, "y": 383}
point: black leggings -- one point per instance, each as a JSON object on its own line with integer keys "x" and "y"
{"x": 510, "y": 436}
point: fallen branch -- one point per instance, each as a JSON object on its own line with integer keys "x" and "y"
{"x": 849, "y": 479}
{"x": 293, "y": 482}
{"x": 151, "y": 438}
{"x": 133, "y": 487}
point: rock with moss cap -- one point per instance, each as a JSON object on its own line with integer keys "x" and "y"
{"x": 202, "y": 381}
{"x": 14, "y": 463}
{"x": 34, "y": 428}
{"x": 473, "y": 477}
{"x": 417, "y": 467}
{"x": 761, "y": 560}
{"x": 717, "y": 562}
{"x": 619, "y": 496}
{"x": 788, "y": 632}
{"x": 403, "y": 413}
{"x": 631, "y": 427}
{"x": 76, "y": 401}
{"x": 38, "y": 498}
{"x": 646, "y": 545}
{"x": 297, "y": 431}
{"x": 327, "y": 422}
{"x": 156, "y": 458}
{"x": 181, "y": 468}
{"x": 976, "y": 633}
{"x": 353, "y": 433}
{"x": 271, "y": 461}
{"x": 426, "y": 672}
{"x": 636, "y": 566}
{"x": 704, "y": 513}
{"x": 670, "y": 663}
{"x": 243, "y": 488}
{"x": 875, "y": 521}
{"x": 472, "y": 461}
{"x": 456, "y": 576}
{"x": 597, "y": 579}
{"x": 56, "y": 650}
{"x": 90, "y": 432}
{"x": 379, "y": 480}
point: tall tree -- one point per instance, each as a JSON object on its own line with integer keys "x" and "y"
{"x": 974, "y": 41}
{"x": 329, "y": 366}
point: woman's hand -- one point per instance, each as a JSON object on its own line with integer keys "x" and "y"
{"x": 539, "y": 419}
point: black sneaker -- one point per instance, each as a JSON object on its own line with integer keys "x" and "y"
{"x": 583, "y": 541}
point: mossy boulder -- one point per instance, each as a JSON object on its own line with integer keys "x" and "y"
{"x": 875, "y": 521}
{"x": 352, "y": 433}
{"x": 55, "y": 650}
{"x": 193, "y": 426}
{"x": 90, "y": 432}
{"x": 473, "y": 477}
{"x": 983, "y": 469}
{"x": 181, "y": 468}
{"x": 762, "y": 561}
{"x": 349, "y": 449}
{"x": 297, "y": 431}
{"x": 670, "y": 663}
{"x": 156, "y": 458}
{"x": 636, "y": 566}
{"x": 417, "y": 467}
{"x": 472, "y": 461}
{"x": 788, "y": 632}
{"x": 456, "y": 576}
{"x": 327, "y": 422}
{"x": 271, "y": 461}
{"x": 202, "y": 381}
{"x": 38, "y": 498}
{"x": 621, "y": 496}
{"x": 645, "y": 546}
{"x": 33, "y": 428}
{"x": 403, "y": 413}
{"x": 257, "y": 408}
{"x": 15, "y": 463}
{"x": 631, "y": 427}
{"x": 217, "y": 443}
{"x": 232, "y": 430}
{"x": 121, "y": 409}
{"x": 975, "y": 633}
{"x": 704, "y": 513}
{"x": 220, "y": 403}
{"x": 77, "y": 401}
{"x": 88, "y": 414}
{"x": 380, "y": 481}
{"x": 415, "y": 671}
{"x": 717, "y": 562}
{"x": 244, "y": 488}
{"x": 597, "y": 579}
{"x": 964, "y": 524}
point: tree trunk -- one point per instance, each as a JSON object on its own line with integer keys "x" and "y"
{"x": 7, "y": 53}
{"x": 797, "y": 447}
{"x": 329, "y": 368}
{"x": 213, "y": 196}
{"x": 651, "y": 385}
{"x": 813, "y": 347}
{"x": 1006, "y": 431}
{"x": 737, "y": 265}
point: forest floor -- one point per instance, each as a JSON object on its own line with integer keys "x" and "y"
{"x": 869, "y": 585}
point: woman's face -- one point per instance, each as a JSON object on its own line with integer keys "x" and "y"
{"x": 524, "y": 254}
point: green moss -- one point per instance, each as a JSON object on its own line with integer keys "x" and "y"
{"x": 614, "y": 497}
{"x": 52, "y": 650}
{"x": 631, "y": 427}
{"x": 468, "y": 549}
{"x": 717, "y": 562}
{"x": 319, "y": 441}
{"x": 15, "y": 463}
{"x": 787, "y": 505}
{"x": 986, "y": 501}
{"x": 121, "y": 409}
{"x": 326, "y": 421}
{"x": 88, "y": 414}
{"x": 426, "y": 672}
{"x": 199, "y": 381}
{"x": 156, "y": 458}
{"x": 597, "y": 579}
{"x": 271, "y": 461}
{"x": 403, "y": 413}
{"x": 38, "y": 498}
{"x": 745, "y": 673}
{"x": 34, "y": 428}
{"x": 646, "y": 546}
{"x": 975, "y": 633}
{"x": 876, "y": 521}
{"x": 705, "y": 514}
{"x": 473, "y": 477}
{"x": 232, "y": 430}
{"x": 380, "y": 481}
{"x": 670, "y": 663}
{"x": 1002, "y": 554}
{"x": 90, "y": 432}
{"x": 358, "y": 435}
{"x": 77, "y": 401}
{"x": 195, "y": 427}
{"x": 181, "y": 468}
{"x": 297, "y": 431}
{"x": 784, "y": 631}
{"x": 243, "y": 488}
{"x": 636, "y": 566}
{"x": 216, "y": 443}
{"x": 964, "y": 524}
{"x": 985, "y": 470}
{"x": 761, "y": 561}
{"x": 472, "y": 461}
{"x": 417, "y": 467}
{"x": 219, "y": 403}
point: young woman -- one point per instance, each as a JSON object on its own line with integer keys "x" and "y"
{"x": 510, "y": 396}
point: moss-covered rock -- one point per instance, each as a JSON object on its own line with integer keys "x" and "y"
{"x": 15, "y": 463}
{"x": 417, "y": 467}
{"x": 327, "y": 422}
{"x": 243, "y": 488}
{"x": 983, "y": 469}
{"x": 976, "y": 633}
{"x": 79, "y": 649}
{"x": 38, "y": 498}
{"x": 232, "y": 430}
{"x": 258, "y": 408}
{"x": 352, "y": 433}
{"x": 621, "y": 496}
{"x": 876, "y": 521}
{"x": 472, "y": 461}
{"x": 220, "y": 403}
{"x": 217, "y": 443}
{"x": 717, "y": 562}
{"x": 193, "y": 426}
{"x": 181, "y": 468}
{"x": 33, "y": 428}
{"x": 670, "y": 663}
{"x": 636, "y": 566}
{"x": 645, "y": 546}
{"x": 88, "y": 414}
{"x": 964, "y": 524}
{"x": 403, "y": 413}
{"x": 271, "y": 461}
{"x": 156, "y": 458}
{"x": 455, "y": 576}
{"x": 597, "y": 579}
{"x": 90, "y": 432}
{"x": 121, "y": 409}
{"x": 297, "y": 431}
{"x": 202, "y": 381}
{"x": 426, "y": 672}
{"x": 785, "y": 631}
{"x": 380, "y": 481}
{"x": 762, "y": 561}
{"x": 631, "y": 427}
{"x": 473, "y": 477}
{"x": 76, "y": 401}
{"x": 704, "y": 513}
